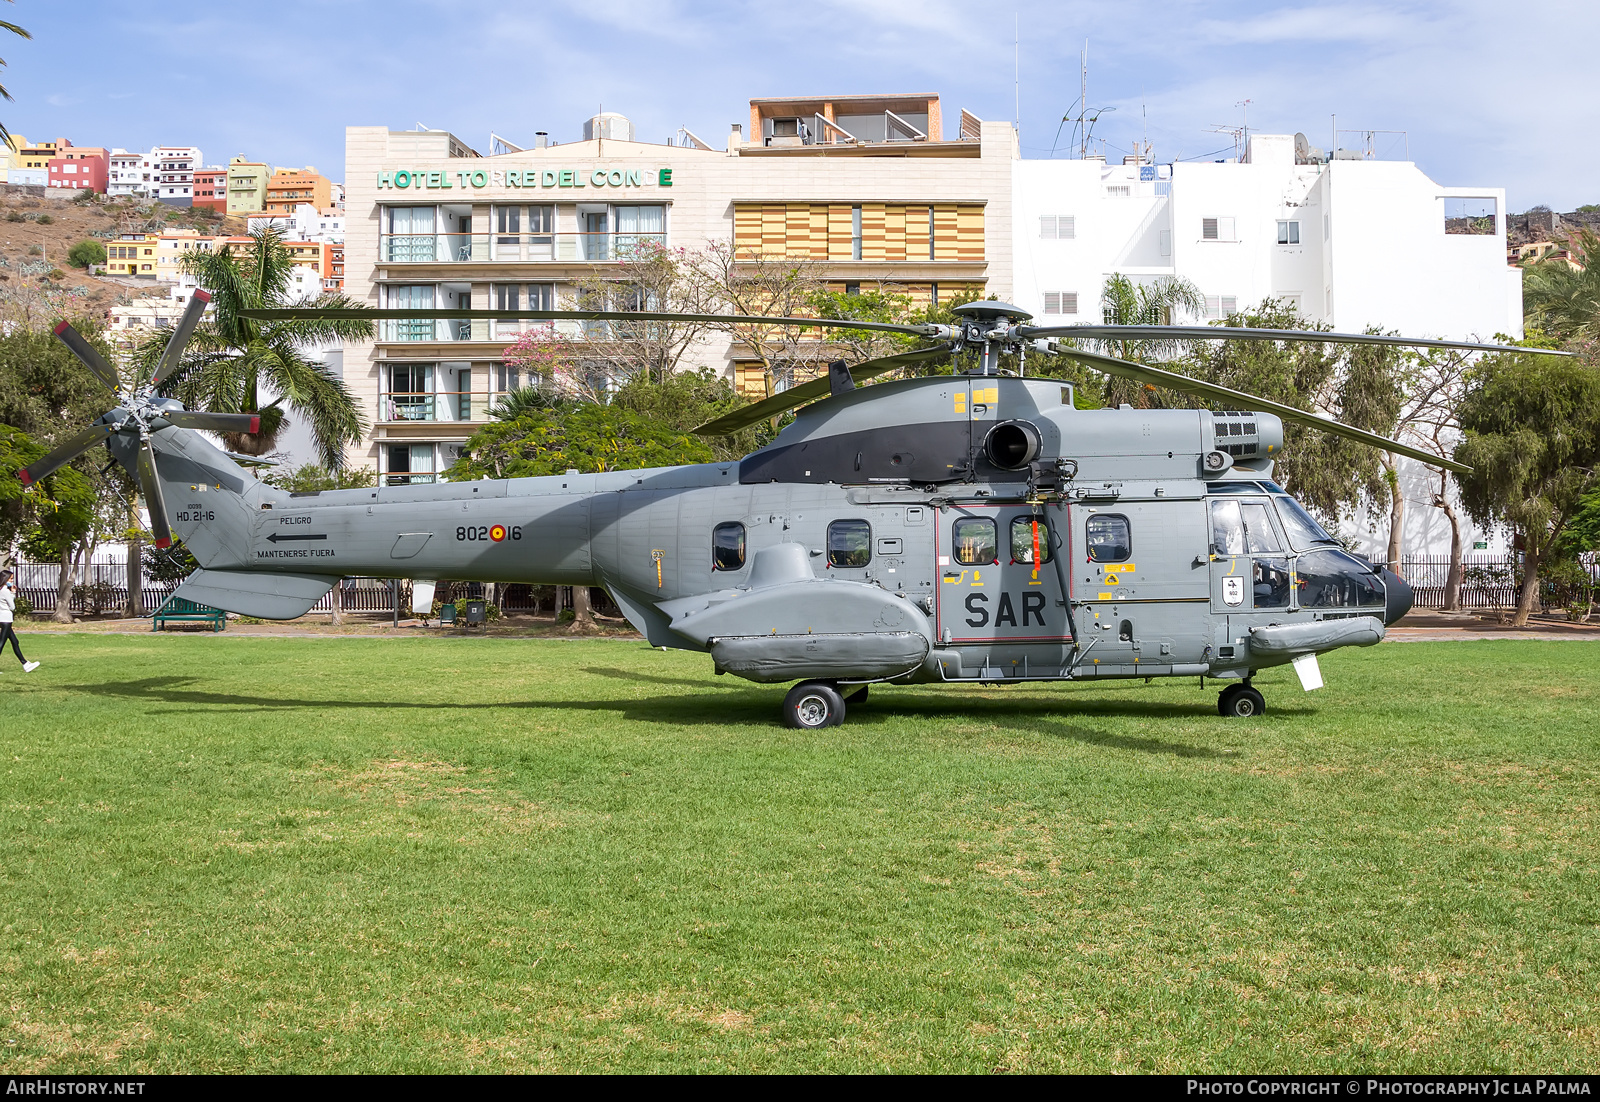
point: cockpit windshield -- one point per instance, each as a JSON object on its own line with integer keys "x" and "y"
{"x": 1304, "y": 531}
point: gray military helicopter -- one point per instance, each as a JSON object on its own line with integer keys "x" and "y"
{"x": 971, "y": 528}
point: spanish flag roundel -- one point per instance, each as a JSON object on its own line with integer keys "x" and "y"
{"x": 497, "y": 533}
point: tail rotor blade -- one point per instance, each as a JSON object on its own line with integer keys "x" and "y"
{"x": 215, "y": 422}
{"x": 86, "y": 352}
{"x": 180, "y": 337}
{"x": 49, "y": 464}
{"x": 150, "y": 486}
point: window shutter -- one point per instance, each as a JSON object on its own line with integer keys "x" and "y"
{"x": 1213, "y": 308}
{"x": 1052, "y": 302}
{"x": 1208, "y": 229}
{"x": 1230, "y": 305}
{"x": 1069, "y": 302}
{"x": 1068, "y": 226}
{"x": 1047, "y": 226}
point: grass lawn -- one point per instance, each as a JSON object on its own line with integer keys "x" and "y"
{"x": 454, "y": 855}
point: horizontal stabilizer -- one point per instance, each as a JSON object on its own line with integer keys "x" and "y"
{"x": 269, "y": 596}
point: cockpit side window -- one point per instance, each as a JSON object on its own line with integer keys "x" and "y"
{"x": 1304, "y": 532}
{"x": 1109, "y": 538}
{"x": 1259, "y": 534}
{"x": 1227, "y": 529}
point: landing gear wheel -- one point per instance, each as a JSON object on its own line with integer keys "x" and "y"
{"x": 857, "y": 697}
{"x": 813, "y": 704}
{"x": 1241, "y": 702}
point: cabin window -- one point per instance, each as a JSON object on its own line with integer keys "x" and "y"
{"x": 849, "y": 543}
{"x": 1109, "y": 539}
{"x": 1271, "y": 582}
{"x": 975, "y": 541}
{"x": 727, "y": 546}
{"x": 1023, "y": 531}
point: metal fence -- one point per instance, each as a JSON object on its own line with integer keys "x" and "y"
{"x": 1486, "y": 582}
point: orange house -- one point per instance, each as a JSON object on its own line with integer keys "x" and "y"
{"x": 289, "y": 187}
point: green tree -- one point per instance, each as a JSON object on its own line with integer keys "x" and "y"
{"x": 85, "y": 253}
{"x": 1532, "y": 437}
{"x": 1162, "y": 301}
{"x": 1363, "y": 387}
{"x": 691, "y": 398}
{"x": 314, "y": 477}
{"x": 231, "y": 363}
{"x": 586, "y": 437}
{"x": 60, "y": 525}
{"x": 1560, "y": 299}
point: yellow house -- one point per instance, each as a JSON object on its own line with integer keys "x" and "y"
{"x": 247, "y": 186}
{"x": 12, "y": 152}
{"x": 132, "y": 254}
{"x": 173, "y": 245}
{"x": 38, "y": 154}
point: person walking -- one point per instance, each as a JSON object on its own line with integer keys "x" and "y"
{"x": 8, "y": 630}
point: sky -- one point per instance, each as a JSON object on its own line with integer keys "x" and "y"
{"x": 1488, "y": 94}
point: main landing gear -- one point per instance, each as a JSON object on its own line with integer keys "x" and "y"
{"x": 813, "y": 704}
{"x": 1241, "y": 701}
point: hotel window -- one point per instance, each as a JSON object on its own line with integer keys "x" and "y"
{"x": 410, "y": 393}
{"x": 1061, "y": 302}
{"x": 409, "y": 296}
{"x": 639, "y": 225}
{"x": 1058, "y": 227}
{"x": 1288, "y": 233}
{"x": 1221, "y": 306}
{"x": 855, "y": 233}
{"x": 506, "y": 378}
{"x": 410, "y": 234}
{"x": 409, "y": 464}
{"x": 1216, "y": 229}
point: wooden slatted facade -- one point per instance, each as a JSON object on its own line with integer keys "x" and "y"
{"x": 889, "y": 231}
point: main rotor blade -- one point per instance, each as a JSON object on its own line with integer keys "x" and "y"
{"x": 819, "y": 387}
{"x": 1238, "y": 333}
{"x": 75, "y": 445}
{"x": 150, "y": 486}
{"x": 1237, "y": 399}
{"x": 216, "y": 422}
{"x": 86, "y": 352}
{"x": 180, "y": 337}
{"x": 365, "y": 314}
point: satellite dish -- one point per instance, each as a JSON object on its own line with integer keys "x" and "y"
{"x": 1302, "y": 150}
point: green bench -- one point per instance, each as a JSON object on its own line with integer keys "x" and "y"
{"x": 179, "y": 610}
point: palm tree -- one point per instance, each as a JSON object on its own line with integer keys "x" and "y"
{"x": 1563, "y": 300}
{"x": 5, "y": 135}
{"x": 1159, "y": 302}
{"x": 231, "y": 361}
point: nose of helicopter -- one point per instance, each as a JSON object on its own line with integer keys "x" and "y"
{"x": 1397, "y": 598}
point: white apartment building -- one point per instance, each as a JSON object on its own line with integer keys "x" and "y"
{"x": 173, "y": 168}
{"x": 1350, "y": 243}
{"x": 307, "y": 223}
{"x": 129, "y": 174}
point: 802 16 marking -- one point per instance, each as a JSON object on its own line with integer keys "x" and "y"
{"x": 488, "y": 533}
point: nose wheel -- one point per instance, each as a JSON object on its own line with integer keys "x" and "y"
{"x": 813, "y": 704}
{"x": 1241, "y": 701}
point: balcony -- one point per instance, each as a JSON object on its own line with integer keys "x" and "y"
{"x": 437, "y": 407}
{"x": 467, "y": 248}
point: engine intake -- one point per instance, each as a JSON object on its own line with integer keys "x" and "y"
{"x": 1012, "y": 445}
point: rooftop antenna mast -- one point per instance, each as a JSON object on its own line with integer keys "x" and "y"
{"x": 1244, "y": 105}
{"x": 1016, "y": 72}
{"x": 1083, "y": 101}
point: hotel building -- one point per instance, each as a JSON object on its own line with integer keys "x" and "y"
{"x": 871, "y": 188}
